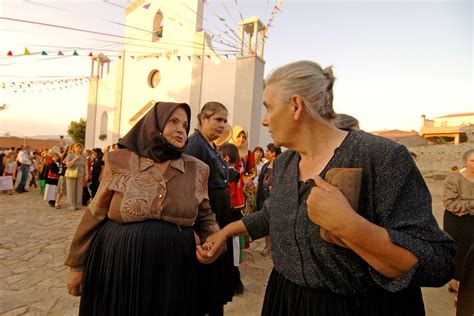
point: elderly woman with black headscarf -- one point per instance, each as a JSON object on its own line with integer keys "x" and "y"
{"x": 136, "y": 249}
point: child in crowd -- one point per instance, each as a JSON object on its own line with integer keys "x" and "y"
{"x": 52, "y": 180}
{"x": 10, "y": 168}
{"x": 235, "y": 186}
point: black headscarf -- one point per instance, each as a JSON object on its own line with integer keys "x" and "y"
{"x": 146, "y": 137}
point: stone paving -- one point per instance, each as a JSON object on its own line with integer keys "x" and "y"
{"x": 34, "y": 240}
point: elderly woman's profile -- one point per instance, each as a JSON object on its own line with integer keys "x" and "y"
{"x": 331, "y": 257}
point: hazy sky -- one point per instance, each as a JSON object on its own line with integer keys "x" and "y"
{"x": 394, "y": 60}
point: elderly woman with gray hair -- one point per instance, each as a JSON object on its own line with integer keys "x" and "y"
{"x": 459, "y": 214}
{"x": 332, "y": 257}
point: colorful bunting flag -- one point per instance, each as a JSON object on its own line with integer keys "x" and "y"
{"x": 75, "y": 53}
{"x": 147, "y": 6}
{"x": 199, "y": 57}
{"x": 60, "y": 53}
{"x": 189, "y": 57}
{"x": 9, "y": 53}
{"x": 43, "y": 53}
{"x": 90, "y": 54}
{"x": 208, "y": 56}
{"x": 27, "y": 52}
{"x": 179, "y": 58}
{"x": 222, "y": 19}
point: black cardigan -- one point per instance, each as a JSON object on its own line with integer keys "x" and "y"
{"x": 393, "y": 195}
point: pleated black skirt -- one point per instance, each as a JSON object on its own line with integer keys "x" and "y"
{"x": 141, "y": 268}
{"x": 215, "y": 286}
{"x": 285, "y": 298}
{"x": 462, "y": 231}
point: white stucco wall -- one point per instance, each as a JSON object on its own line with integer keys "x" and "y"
{"x": 453, "y": 121}
{"x": 218, "y": 83}
{"x": 105, "y": 103}
{"x": 174, "y": 85}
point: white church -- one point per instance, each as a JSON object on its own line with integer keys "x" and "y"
{"x": 169, "y": 57}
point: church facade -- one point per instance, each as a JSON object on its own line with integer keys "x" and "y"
{"x": 168, "y": 57}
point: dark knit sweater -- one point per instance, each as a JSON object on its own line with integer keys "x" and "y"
{"x": 393, "y": 195}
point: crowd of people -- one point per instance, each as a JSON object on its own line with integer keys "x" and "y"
{"x": 169, "y": 213}
{"x": 47, "y": 168}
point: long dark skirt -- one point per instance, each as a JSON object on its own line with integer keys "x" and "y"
{"x": 285, "y": 298}
{"x": 462, "y": 231}
{"x": 465, "y": 306}
{"x": 215, "y": 280}
{"x": 141, "y": 268}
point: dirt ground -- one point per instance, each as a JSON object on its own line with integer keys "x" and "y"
{"x": 34, "y": 240}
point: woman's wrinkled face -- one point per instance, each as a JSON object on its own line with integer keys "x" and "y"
{"x": 278, "y": 116}
{"x": 258, "y": 155}
{"x": 214, "y": 126}
{"x": 175, "y": 128}
{"x": 469, "y": 163}
{"x": 241, "y": 139}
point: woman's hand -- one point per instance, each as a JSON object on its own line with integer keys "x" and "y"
{"x": 212, "y": 248}
{"x": 328, "y": 208}
{"x": 459, "y": 214}
{"x": 74, "y": 283}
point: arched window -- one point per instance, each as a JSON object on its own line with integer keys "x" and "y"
{"x": 104, "y": 120}
{"x": 157, "y": 26}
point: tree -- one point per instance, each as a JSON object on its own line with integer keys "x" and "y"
{"x": 77, "y": 131}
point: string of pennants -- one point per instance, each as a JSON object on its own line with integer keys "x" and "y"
{"x": 275, "y": 10}
{"x": 42, "y": 85}
{"x": 27, "y": 52}
{"x": 178, "y": 57}
{"x": 166, "y": 55}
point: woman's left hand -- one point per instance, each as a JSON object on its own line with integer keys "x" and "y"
{"x": 328, "y": 208}
{"x": 209, "y": 251}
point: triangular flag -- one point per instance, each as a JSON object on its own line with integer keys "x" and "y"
{"x": 133, "y": 57}
{"x": 189, "y": 57}
{"x": 10, "y": 53}
{"x": 90, "y": 54}
{"x": 147, "y": 6}
{"x": 27, "y": 52}
{"x": 168, "y": 57}
{"x": 208, "y": 56}
{"x": 222, "y": 19}
{"x": 199, "y": 57}
{"x": 119, "y": 57}
{"x": 44, "y": 53}
{"x": 75, "y": 53}
{"x": 179, "y": 58}
{"x": 60, "y": 53}
{"x": 226, "y": 56}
